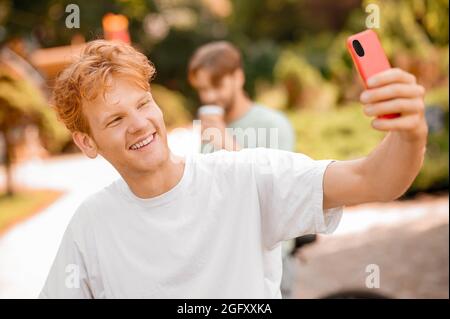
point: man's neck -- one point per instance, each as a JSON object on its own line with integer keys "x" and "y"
{"x": 241, "y": 106}
{"x": 158, "y": 182}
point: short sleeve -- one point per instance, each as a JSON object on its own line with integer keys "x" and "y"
{"x": 290, "y": 193}
{"x": 67, "y": 278}
{"x": 72, "y": 275}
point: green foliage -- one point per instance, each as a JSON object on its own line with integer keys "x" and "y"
{"x": 435, "y": 172}
{"x": 54, "y": 134}
{"x": 19, "y": 96}
{"x": 305, "y": 85}
{"x": 21, "y": 103}
{"x": 340, "y": 134}
{"x": 346, "y": 134}
{"x": 438, "y": 97}
{"x": 259, "y": 61}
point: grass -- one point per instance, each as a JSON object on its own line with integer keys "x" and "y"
{"x": 22, "y": 205}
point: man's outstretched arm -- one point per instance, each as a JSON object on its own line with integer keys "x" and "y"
{"x": 387, "y": 172}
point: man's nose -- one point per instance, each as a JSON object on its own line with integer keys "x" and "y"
{"x": 137, "y": 123}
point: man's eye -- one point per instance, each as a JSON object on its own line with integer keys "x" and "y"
{"x": 144, "y": 105}
{"x": 114, "y": 121}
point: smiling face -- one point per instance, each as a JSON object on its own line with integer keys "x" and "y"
{"x": 127, "y": 129}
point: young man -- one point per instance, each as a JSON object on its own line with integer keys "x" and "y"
{"x": 229, "y": 209}
{"x": 215, "y": 72}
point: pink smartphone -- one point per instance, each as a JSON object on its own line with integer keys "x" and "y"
{"x": 369, "y": 57}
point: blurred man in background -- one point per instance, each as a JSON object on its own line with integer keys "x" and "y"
{"x": 216, "y": 73}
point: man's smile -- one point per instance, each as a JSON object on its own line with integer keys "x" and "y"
{"x": 143, "y": 142}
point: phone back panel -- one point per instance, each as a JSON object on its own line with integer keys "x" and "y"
{"x": 374, "y": 59}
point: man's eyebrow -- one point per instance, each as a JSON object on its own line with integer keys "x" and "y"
{"x": 141, "y": 100}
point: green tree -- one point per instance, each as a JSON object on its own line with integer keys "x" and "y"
{"x": 22, "y": 104}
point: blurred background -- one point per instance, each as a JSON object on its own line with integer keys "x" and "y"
{"x": 295, "y": 60}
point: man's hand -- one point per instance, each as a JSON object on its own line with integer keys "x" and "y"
{"x": 396, "y": 91}
{"x": 389, "y": 170}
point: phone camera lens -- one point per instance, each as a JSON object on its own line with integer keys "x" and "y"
{"x": 358, "y": 48}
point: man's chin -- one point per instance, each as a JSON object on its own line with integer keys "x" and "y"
{"x": 143, "y": 166}
{"x": 135, "y": 165}
{"x": 149, "y": 161}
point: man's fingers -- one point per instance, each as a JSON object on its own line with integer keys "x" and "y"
{"x": 403, "y": 106}
{"x": 394, "y": 75}
{"x": 392, "y": 91}
{"x": 403, "y": 123}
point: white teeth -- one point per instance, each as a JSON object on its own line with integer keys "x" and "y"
{"x": 147, "y": 141}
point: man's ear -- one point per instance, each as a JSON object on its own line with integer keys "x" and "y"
{"x": 85, "y": 143}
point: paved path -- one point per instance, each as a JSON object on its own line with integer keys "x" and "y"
{"x": 408, "y": 241}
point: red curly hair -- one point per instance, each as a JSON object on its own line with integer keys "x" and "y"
{"x": 91, "y": 75}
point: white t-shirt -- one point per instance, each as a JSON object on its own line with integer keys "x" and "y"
{"x": 216, "y": 234}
